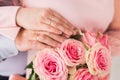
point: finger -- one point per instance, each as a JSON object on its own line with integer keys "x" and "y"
{"x": 44, "y": 39}
{"x": 56, "y": 37}
{"x": 47, "y": 40}
{"x": 61, "y": 18}
{"x": 36, "y": 45}
{"x": 55, "y": 22}
{"x": 46, "y": 27}
{"x": 59, "y": 38}
{"x": 61, "y": 27}
{"x": 58, "y": 26}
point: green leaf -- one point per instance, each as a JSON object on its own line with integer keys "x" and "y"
{"x": 29, "y": 65}
{"x": 33, "y": 76}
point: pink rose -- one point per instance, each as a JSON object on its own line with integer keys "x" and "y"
{"x": 84, "y": 74}
{"x": 73, "y": 52}
{"x": 49, "y": 65}
{"x": 89, "y": 38}
{"x": 98, "y": 60}
{"x": 104, "y": 40}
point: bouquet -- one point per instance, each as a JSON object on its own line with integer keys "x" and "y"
{"x": 85, "y": 56}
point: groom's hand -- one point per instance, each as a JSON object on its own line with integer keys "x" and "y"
{"x": 32, "y": 39}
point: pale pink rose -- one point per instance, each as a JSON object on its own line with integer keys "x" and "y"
{"x": 89, "y": 38}
{"x": 49, "y": 65}
{"x": 84, "y": 74}
{"x": 98, "y": 60}
{"x": 73, "y": 52}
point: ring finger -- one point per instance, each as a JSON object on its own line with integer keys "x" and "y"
{"x": 59, "y": 25}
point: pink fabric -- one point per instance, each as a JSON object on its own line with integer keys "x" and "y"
{"x": 93, "y": 15}
{"x": 8, "y": 25}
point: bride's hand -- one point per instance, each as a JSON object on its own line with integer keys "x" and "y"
{"x": 44, "y": 19}
{"x": 32, "y": 39}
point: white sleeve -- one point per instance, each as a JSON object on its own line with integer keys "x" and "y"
{"x": 7, "y": 48}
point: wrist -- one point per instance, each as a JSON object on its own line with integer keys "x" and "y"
{"x": 18, "y": 41}
{"x": 18, "y": 15}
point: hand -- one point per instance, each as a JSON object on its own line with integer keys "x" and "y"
{"x": 16, "y": 77}
{"x": 44, "y": 19}
{"x": 28, "y": 39}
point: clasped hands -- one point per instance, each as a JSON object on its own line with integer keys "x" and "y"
{"x": 41, "y": 28}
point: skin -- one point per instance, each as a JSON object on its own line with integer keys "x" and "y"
{"x": 16, "y": 77}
